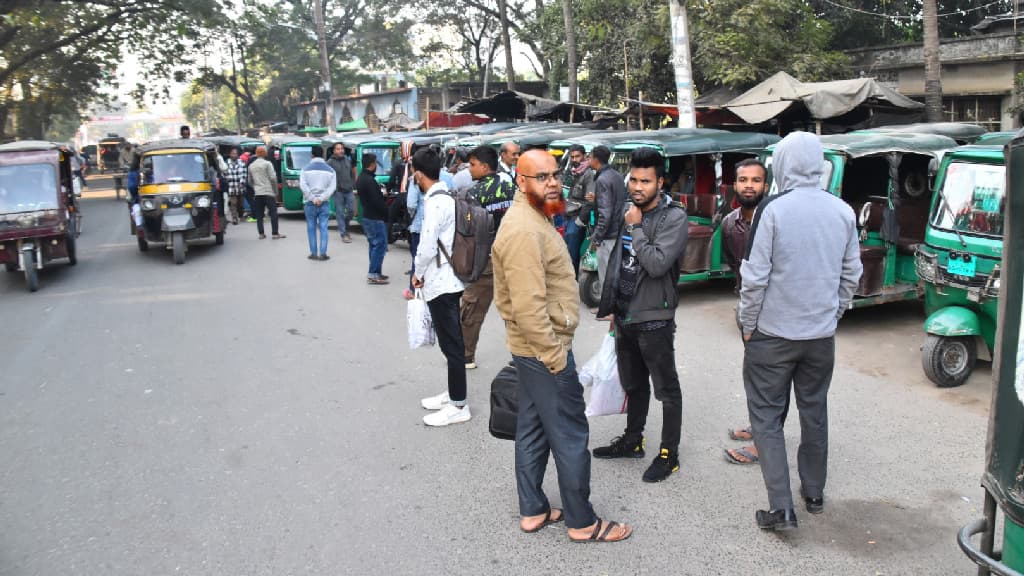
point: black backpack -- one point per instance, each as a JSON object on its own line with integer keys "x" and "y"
{"x": 504, "y": 404}
{"x": 474, "y": 234}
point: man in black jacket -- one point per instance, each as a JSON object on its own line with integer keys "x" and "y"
{"x": 610, "y": 198}
{"x": 640, "y": 290}
{"x": 374, "y": 218}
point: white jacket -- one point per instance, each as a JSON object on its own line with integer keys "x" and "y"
{"x": 438, "y": 222}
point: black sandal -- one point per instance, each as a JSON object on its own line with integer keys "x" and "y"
{"x": 603, "y": 535}
{"x": 548, "y": 520}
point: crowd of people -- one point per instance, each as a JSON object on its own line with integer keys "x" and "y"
{"x": 795, "y": 254}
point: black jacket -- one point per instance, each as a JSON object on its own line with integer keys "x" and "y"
{"x": 610, "y": 196}
{"x": 658, "y": 242}
{"x": 370, "y": 197}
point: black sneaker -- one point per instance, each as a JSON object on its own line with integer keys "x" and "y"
{"x": 621, "y": 448}
{"x": 662, "y": 467}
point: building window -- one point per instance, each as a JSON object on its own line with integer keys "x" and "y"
{"x": 983, "y": 110}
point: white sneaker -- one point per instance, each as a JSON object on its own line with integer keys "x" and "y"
{"x": 436, "y": 402}
{"x": 450, "y": 414}
{"x": 470, "y": 365}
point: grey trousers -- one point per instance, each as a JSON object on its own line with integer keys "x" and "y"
{"x": 770, "y": 366}
{"x": 552, "y": 421}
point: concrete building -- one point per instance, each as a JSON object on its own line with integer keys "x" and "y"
{"x": 977, "y": 73}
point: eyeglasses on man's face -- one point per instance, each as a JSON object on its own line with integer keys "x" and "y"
{"x": 544, "y": 177}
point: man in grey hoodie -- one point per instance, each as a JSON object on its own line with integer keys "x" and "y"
{"x": 317, "y": 182}
{"x": 802, "y": 266}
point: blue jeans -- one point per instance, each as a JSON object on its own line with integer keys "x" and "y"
{"x": 414, "y": 244}
{"x": 376, "y": 232}
{"x": 551, "y": 421}
{"x": 344, "y": 209}
{"x": 574, "y": 239}
{"x": 316, "y": 219}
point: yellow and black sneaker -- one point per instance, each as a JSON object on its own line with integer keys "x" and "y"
{"x": 663, "y": 466}
{"x": 622, "y": 447}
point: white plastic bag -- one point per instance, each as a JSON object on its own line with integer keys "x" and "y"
{"x": 601, "y": 372}
{"x": 421, "y": 327}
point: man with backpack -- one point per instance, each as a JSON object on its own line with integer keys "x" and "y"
{"x": 435, "y": 276}
{"x": 495, "y": 195}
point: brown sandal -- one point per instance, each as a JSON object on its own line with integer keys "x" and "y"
{"x": 741, "y": 434}
{"x": 548, "y": 520}
{"x": 603, "y": 537}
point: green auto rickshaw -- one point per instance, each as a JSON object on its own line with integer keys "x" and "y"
{"x": 884, "y": 178}
{"x": 959, "y": 262}
{"x": 1002, "y": 480}
{"x": 289, "y": 155}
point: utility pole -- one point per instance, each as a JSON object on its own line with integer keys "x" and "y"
{"x": 325, "y": 69}
{"x": 570, "y": 47}
{"x": 234, "y": 85}
{"x": 932, "y": 65}
{"x": 681, "y": 63}
{"x": 510, "y": 73}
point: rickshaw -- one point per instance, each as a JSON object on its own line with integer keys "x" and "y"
{"x": 699, "y": 171}
{"x": 959, "y": 262}
{"x": 39, "y": 219}
{"x": 224, "y": 144}
{"x": 385, "y": 148}
{"x": 109, "y": 153}
{"x": 884, "y": 178}
{"x": 176, "y": 195}
{"x": 1002, "y": 479}
{"x": 289, "y": 155}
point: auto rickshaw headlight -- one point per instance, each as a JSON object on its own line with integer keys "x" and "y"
{"x": 148, "y": 204}
{"x": 203, "y": 202}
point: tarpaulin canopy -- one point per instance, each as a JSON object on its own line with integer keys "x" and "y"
{"x": 511, "y": 105}
{"x": 822, "y": 100}
{"x": 455, "y": 119}
{"x": 352, "y": 125}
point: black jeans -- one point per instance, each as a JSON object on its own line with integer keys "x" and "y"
{"x": 268, "y": 203}
{"x": 551, "y": 421}
{"x": 649, "y": 356}
{"x": 444, "y": 312}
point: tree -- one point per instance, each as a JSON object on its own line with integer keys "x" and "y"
{"x": 506, "y": 42}
{"x": 208, "y": 108}
{"x": 932, "y": 67}
{"x": 738, "y": 43}
{"x": 55, "y": 55}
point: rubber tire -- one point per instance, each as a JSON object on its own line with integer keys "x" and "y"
{"x": 937, "y": 347}
{"x": 72, "y": 249}
{"x": 31, "y": 274}
{"x": 590, "y": 289}
{"x": 178, "y": 242}
{"x": 143, "y": 245}
{"x": 219, "y": 238}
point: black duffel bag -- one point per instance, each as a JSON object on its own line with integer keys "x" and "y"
{"x": 504, "y": 404}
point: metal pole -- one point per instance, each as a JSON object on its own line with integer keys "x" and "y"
{"x": 325, "y": 69}
{"x": 640, "y": 97}
{"x": 681, "y": 63}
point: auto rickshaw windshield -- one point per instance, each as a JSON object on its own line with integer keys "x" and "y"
{"x": 385, "y": 157}
{"x": 172, "y": 168}
{"x": 27, "y": 187}
{"x": 972, "y": 199}
{"x": 298, "y": 157}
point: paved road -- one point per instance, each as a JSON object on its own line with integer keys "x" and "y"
{"x": 252, "y": 412}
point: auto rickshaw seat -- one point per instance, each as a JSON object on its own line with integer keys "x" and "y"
{"x": 697, "y": 255}
{"x": 912, "y": 216}
{"x": 702, "y": 205}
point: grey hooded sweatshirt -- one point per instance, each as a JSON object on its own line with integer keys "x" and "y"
{"x": 803, "y": 258}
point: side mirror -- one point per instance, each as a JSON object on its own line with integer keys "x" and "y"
{"x": 865, "y": 214}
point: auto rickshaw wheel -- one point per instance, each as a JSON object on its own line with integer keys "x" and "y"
{"x": 178, "y": 243}
{"x": 590, "y": 289}
{"x": 948, "y": 361}
{"x": 219, "y": 238}
{"x": 69, "y": 243}
{"x": 31, "y": 274}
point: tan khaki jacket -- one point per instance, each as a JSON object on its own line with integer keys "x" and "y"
{"x": 535, "y": 289}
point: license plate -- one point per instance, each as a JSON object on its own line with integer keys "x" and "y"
{"x": 961, "y": 265}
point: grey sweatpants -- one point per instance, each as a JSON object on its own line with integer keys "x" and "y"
{"x": 770, "y": 366}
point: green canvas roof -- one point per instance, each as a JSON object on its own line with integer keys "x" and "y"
{"x": 26, "y": 145}
{"x": 290, "y": 140}
{"x": 352, "y": 125}
{"x": 977, "y": 152}
{"x": 196, "y": 143}
{"x": 857, "y": 145}
{"x": 959, "y": 131}
{"x": 996, "y": 138}
{"x": 313, "y": 130}
{"x": 702, "y": 141}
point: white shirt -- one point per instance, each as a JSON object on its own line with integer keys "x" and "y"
{"x": 438, "y": 223}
